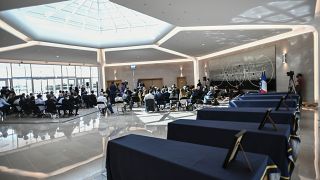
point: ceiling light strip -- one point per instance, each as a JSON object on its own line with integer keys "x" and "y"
{"x": 129, "y": 48}
{"x": 45, "y": 62}
{"x": 169, "y": 35}
{"x": 305, "y": 29}
{"x": 18, "y": 46}
{"x": 13, "y": 31}
{"x": 172, "y": 52}
{"x": 240, "y": 27}
{"x": 148, "y": 62}
{"x": 66, "y": 46}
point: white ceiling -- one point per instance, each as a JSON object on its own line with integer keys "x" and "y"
{"x": 199, "y": 43}
{"x": 89, "y": 23}
{"x": 225, "y": 12}
{"x": 138, "y": 55}
{"x": 51, "y": 54}
{"x": 7, "y": 39}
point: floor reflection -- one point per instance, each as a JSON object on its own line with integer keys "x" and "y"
{"x": 76, "y": 149}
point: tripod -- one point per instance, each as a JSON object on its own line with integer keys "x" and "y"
{"x": 292, "y": 86}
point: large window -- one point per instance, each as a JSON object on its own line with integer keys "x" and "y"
{"x": 42, "y": 70}
{"x": 5, "y": 70}
{"x": 21, "y": 70}
{"x": 38, "y": 78}
{"x": 22, "y": 86}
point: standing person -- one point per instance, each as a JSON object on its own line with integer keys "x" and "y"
{"x": 299, "y": 87}
{"x": 113, "y": 92}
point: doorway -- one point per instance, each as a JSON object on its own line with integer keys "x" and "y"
{"x": 157, "y": 82}
{"x": 181, "y": 81}
{"x": 83, "y": 81}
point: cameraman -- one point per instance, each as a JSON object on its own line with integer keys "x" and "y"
{"x": 299, "y": 87}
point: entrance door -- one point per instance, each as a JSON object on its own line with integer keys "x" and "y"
{"x": 83, "y": 81}
{"x": 181, "y": 81}
{"x": 158, "y": 82}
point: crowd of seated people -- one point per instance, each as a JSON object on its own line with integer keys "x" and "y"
{"x": 40, "y": 105}
{"x": 175, "y": 97}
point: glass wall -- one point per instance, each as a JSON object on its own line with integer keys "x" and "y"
{"x": 38, "y": 78}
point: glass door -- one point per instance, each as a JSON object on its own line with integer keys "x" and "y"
{"x": 40, "y": 86}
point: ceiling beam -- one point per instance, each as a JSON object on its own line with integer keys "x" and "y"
{"x": 148, "y": 62}
{"x": 41, "y": 43}
{"x": 18, "y": 46}
{"x": 13, "y": 31}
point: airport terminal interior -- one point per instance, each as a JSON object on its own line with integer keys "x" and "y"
{"x": 159, "y": 89}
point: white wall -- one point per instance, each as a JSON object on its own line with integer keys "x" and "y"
{"x": 168, "y": 72}
{"x": 300, "y": 59}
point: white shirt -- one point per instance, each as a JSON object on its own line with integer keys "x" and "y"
{"x": 148, "y": 96}
{"x": 102, "y": 99}
{"x": 40, "y": 101}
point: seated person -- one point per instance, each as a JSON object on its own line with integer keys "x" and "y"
{"x": 4, "y": 106}
{"x": 149, "y": 98}
{"x": 51, "y": 104}
{"x": 183, "y": 93}
{"x": 76, "y": 102}
{"x": 102, "y": 104}
{"x": 118, "y": 98}
{"x": 86, "y": 99}
{"x": 40, "y": 104}
{"x": 209, "y": 96}
{"x": 72, "y": 104}
{"x": 26, "y": 104}
{"x": 135, "y": 97}
{"x": 127, "y": 97}
{"x": 159, "y": 98}
{"x": 196, "y": 95}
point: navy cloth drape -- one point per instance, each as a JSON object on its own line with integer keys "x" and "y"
{"x": 267, "y": 141}
{"x": 135, "y": 157}
{"x": 253, "y": 115}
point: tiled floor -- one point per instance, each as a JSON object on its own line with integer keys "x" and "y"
{"x": 76, "y": 149}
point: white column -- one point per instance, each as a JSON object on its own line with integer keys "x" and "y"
{"x": 195, "y": 71}
{"x": 101, "y": 58}
{"x": 316, "y": 24}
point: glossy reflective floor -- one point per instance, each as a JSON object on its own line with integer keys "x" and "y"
{"x": 75, "y": 149}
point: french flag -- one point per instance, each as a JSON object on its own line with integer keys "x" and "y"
{"x": 263, "y": 83}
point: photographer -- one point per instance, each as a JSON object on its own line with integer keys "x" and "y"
{"x": 299, "y": 87}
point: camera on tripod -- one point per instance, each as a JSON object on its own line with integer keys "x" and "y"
{"x": 290, "y": 74}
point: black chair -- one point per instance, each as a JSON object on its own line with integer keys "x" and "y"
{"x": 102, "y": 110}
{"x": 38, "y": 110}
{"x": 150, "y": 105}
{"x": 136, "y": 99}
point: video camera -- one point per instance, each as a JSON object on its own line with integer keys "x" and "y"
{"x": 290, "y": 74}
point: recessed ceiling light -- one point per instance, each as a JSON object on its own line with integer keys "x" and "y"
{"x": 203, "y": 44}
{"x": 57, "y": 56}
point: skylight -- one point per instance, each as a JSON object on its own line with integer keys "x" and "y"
{"x": 92, "y": 23}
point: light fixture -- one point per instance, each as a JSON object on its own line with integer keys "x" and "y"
{"x": 115, "y": 74}
{"x": 284, "y": 58}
